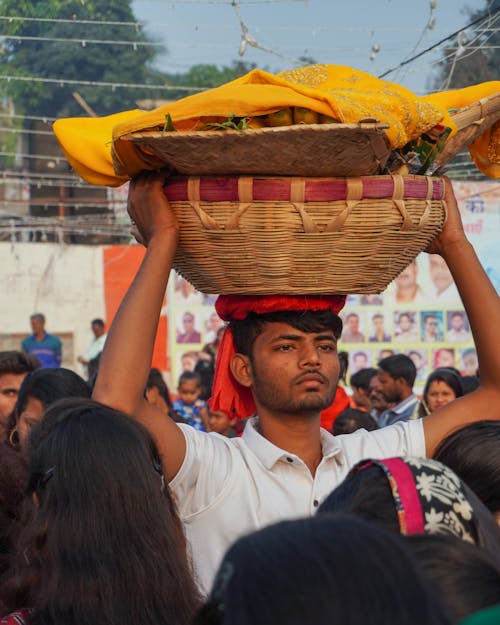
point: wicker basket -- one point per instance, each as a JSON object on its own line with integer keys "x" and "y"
{"x": 302, "y": 150}
{"x": 471, "y": 121}
{"x": 294, "y": 235}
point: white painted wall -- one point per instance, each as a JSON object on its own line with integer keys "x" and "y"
{"x": 65, "y": 283}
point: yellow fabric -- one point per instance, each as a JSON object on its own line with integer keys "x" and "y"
{"x": 98, "y": 150}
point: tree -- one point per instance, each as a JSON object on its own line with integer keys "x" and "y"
{"x": 37, "y": 49}
{"x": 462, "y": 67}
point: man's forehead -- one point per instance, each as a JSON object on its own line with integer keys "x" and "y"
{"x": 11, "y": 380}
{"x": 275, "y": 329}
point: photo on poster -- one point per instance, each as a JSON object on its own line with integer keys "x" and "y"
{"x": 420, "y": 358}
{"x": 468, "y": 364}
{"x": 188, "y": 327}
{"x": 405, "y": 326}
{"x": 443, "y": 357}
{"x": 353, "y": 330}
{"x": 360, "y": 359}
{"x": 379, "y": 328}
{"x": 431, "y": 326}
{"x": 457, "y": 327}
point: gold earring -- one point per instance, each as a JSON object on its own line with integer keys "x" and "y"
{"x": 13, "y": 433}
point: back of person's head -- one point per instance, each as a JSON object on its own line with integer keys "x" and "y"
{"x": 205, "y": 369}
{"x": 414, "y": 496}
{"x": 470, "y": 383}
{"x": 399, "y": 366}
{"x": 49, "y": 385}
{"x": 302, "y": 571}
{"x": 104, "y": 541}
{"x": 247, "y": 330}
{"x": 464, "y": 576}
{"x": 156, "y": 380}
{"x": 473, "y": 453}
{"x": 361, "y": 379}
{"x": 17, "y": 363}
{"x": 352, "y": 419}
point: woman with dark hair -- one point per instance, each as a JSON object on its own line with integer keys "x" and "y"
{"x": 464, "y": 576}
{"x": 38, "y": 390}
{"x": 103, "y": 543}
{"x": 442, "y": 386}
{"x": 415, "y": 496}
{"x": 323, "y": 570}
{"x": 473, "y": 452}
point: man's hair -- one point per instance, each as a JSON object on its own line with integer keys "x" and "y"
{"x": 247, "y": 330}
{"x": 399, "y": 366}
{"x": 430, "y": 316}
{"x": 39, "y": 316}
{"x": 377, "y": 316}
{"x": 97, "y": 322}
{"x": 17, "y": 362}
{"x": 404, "y": 314}
{"x": 352, "y": 419}
{"x": 190, "y": 376}
{"x": 353, "y": 314}
{"x": 361, "y": 379}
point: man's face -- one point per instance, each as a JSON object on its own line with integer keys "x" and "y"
{"x": 417, "y": 359}
{"x": 431, "y": 326}
{"x": 470, "y": 363}
{"x": 445, "y": 358}
{"x": 408, "y": 277}
{"x": 352, "y": 322}
{"x": 457, "y": 322}
{"x": 293, "y": 372}
{"x": 378, "y": 323}
{"x": 377, "y": 399}
{"x": 404, "y": 323}
{"x": 9, "y": 388}
{"x": 188, "y": 323}
{"x": 97, "y": 329}
{"x": 360, "y": 361}
{"x": 389, "y": 387}
{"x": 439, "y": 272}
{"x": 37, "y": 325}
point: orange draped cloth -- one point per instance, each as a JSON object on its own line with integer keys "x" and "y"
{"x": 98, "y": 150}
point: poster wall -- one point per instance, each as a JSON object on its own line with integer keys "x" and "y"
{"x": 420, "y": 314}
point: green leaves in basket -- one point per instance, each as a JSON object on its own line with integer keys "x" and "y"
{"x": 169, "y": 124}
{"x": 233, "y": 122}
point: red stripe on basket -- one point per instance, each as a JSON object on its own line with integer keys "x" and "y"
{"x": 316, "y": 190}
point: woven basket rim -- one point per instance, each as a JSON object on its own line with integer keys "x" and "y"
{"x": 373, "y": 126}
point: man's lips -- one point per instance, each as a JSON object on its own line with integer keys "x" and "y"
{"x": 311, "y": 378}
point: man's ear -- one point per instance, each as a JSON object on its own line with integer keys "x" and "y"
{"x": 241, "y": 368}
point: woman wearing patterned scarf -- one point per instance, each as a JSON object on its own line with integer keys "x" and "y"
{"x": 415, "y": 496}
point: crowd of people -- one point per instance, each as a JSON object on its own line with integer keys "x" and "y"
{"x": 224, "y": 501}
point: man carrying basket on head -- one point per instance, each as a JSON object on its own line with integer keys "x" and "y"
{"x": 278, "y": 361}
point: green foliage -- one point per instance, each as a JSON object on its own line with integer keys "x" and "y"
{"x": 474, "y": 67}
{"x": 78, "y": 60}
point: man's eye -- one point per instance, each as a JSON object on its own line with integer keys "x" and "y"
{"x": 9, "y": 393}
{"x": 284, "y": 348}
{"x": 327, "y": 347}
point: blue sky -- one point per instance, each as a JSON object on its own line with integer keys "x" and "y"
{"x": 330, "y": 31}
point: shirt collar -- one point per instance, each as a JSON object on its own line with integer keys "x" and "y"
{"x": 406, "y": 403}
{"x": 269, "y": 454}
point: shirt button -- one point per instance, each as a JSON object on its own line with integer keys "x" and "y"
{"x": 315, "y": 503}
{"x": 289, "y": 459}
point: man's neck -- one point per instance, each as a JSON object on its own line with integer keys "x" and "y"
{"x": 405, "y": 393}
{"x": 298, "y": 435}
{"x": 39, "y": 336}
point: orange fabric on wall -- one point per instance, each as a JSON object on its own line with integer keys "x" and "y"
{"x": 120, "y": 264}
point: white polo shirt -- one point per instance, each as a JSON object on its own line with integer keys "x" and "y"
{"x": 228, "y": 487}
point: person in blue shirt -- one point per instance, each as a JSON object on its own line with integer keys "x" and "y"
{"x": 46, "y": 347}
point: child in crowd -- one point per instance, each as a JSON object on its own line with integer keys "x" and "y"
{"x": 189, "y": 405}
{"x": 221, "y": 423}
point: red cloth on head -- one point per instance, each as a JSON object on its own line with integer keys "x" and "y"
{"x": 228, "y": 395}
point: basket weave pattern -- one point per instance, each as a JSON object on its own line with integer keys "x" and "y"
{"x": 310, "y": 235}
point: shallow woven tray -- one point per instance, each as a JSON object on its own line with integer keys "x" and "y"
{"x": 471, "y": 121}
{"x": 294, "y": 235}
{"x": 302, "y": 150}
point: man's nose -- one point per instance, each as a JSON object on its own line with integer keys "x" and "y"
{"x": 309, "y": 354}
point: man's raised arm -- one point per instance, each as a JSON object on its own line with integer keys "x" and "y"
{"x": 482, "y": 305}
{"x": 127, "y": 354}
